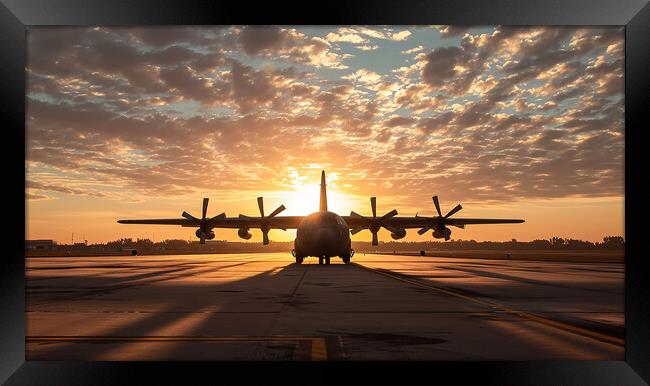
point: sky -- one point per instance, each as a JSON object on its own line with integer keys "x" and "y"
{"x": 511, "y": 122}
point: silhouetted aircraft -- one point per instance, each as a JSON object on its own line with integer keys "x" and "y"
{"x": 324, "y": 234}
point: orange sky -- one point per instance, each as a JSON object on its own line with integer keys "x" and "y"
{"x": 511, "y": 122}
{"x": 95, "y": 218}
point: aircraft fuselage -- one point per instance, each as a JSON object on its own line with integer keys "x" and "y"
{"x": 323, "y": 234}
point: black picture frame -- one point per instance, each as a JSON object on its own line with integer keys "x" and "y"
{"x": 18, "y": 15}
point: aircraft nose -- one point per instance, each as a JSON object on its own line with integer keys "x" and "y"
{"x": 326, "y": 239}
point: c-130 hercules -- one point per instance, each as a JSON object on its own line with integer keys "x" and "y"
{"x": 324, "y": 234}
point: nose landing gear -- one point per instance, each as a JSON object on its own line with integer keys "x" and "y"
{"x": 324, "y": 260}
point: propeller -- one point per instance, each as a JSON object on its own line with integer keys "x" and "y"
{"x": 376, "y": 222}
{"x": 204, "y": 222}
{"x": 265, "y": 227}
{"x": 440, "y": 220}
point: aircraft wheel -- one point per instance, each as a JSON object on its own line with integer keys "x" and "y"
{"x": 299, "y": 259}
{"x": 346, "y": 259}
{"x": 320, "y": 260}
{"x": 327, "y": 260}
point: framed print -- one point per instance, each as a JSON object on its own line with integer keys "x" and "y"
{"x": 424, "y": 187}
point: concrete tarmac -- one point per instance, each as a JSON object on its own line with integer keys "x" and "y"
{"x": 264, "y": 307}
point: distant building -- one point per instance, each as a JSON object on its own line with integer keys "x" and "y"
{"x": 40, "y": 245}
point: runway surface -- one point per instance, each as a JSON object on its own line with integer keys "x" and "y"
{"x": 264, "y": 307}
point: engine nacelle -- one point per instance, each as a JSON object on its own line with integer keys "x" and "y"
{"x": 445, "y": 233}
{"x": 209, "y": 235}
{"x": 398, "y": 233}
{"x": 244, "y": 233}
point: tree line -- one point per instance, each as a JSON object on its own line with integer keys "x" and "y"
{"x": 554, "y": 243}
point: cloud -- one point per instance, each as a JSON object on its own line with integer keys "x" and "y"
{"x": 400, "y": 36}
{"x": 289, "y": 44}
{"x": 396, "y": 121}
{"x": 509, "y": 114}
{"x": 413, "y": 50}
{"x": 250, "y": 87}
{"x": 367, "y": 47}
{"x": 257, "y": 39}
{"x": 33, "y": 185}
{"x": 35, "y": 196}
{"x": 346, "y": 35}
{"x": 364, "y": 76}
{"x": 361, "y": 34}
{"x": 449, "y": 31}
{"x": 442, "y": 65}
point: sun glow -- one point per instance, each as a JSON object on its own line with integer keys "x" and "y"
{"x": 303, "y": 197}
{"x": 304, "y": 200}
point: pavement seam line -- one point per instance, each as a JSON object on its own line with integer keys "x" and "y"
{"x": 318, "y": 345}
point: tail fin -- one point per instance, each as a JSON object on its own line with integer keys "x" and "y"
{"x": 323, "y": 193}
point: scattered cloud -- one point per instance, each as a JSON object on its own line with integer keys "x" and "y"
{"x": 448, "y": 31}
{"x": 513, "y": 113}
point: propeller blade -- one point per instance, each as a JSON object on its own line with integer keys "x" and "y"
{"x": 375, "y": 241}
{"x": 265, "y": 238}
{"x": 437, "y": 204}
{"x": 456, "y": 209}
{"x": 205, "y": 207}
{"x": 189, "y": 216}
{"x": 218, "y": 217}
{"x": 373, "y": 205}
{"x": 260, "y": 204}
{"x": 423, "y": 230}
{"x": 277, "y": 210}
{"x": 390, "y": 214}
{"x": 356, "y": 230}
{"x": 355, "y": 214}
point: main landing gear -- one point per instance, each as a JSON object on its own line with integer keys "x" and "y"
{"x": 299, "y": 258}
{"x": 346, "y": 258}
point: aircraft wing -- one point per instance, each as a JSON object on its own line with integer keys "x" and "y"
{"x": 277, "y": 222}
{"x": 292, "y": 222}
{"x": 468, "y": 221}
{"x": 162, "y": 221}
{"x": 284, "y": 222}
{"x": 419, "y": 222}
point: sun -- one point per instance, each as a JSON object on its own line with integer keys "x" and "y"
{"x": 302, "y": 200}
{"x": 303, "y": 197}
